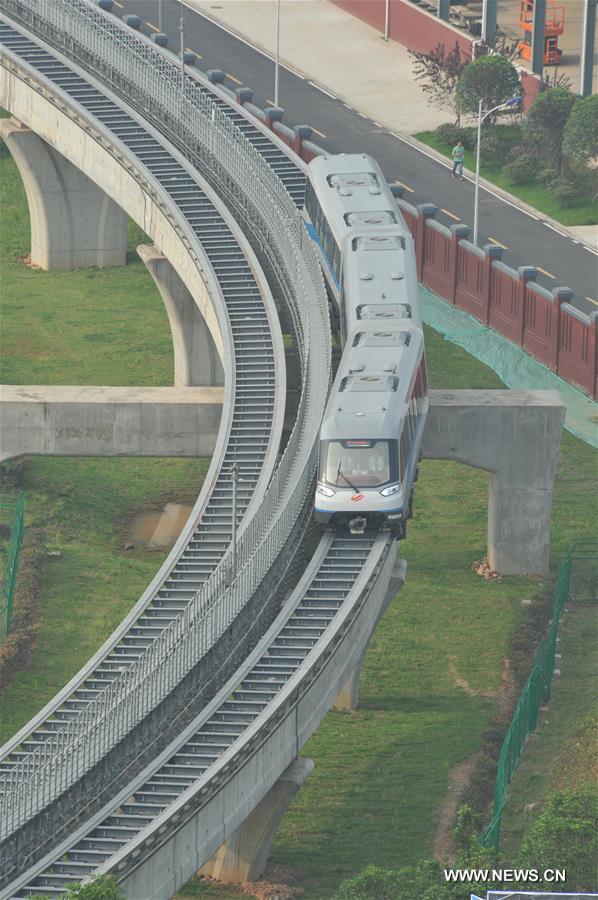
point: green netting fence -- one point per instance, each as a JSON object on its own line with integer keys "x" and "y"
{"x": 577, "y": 580}
{"x": 11, "y": 518}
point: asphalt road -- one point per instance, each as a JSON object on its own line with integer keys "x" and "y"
{"x": 338, "y": 128}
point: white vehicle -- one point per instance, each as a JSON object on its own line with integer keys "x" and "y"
{"x": 373, "y": 424}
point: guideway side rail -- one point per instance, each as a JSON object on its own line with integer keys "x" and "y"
{"x": 200, "y": 126}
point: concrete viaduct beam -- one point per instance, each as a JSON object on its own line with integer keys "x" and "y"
{"x": 74, "y": 223}
{"x": 514, "y": 435}
{"x": 109, "y": 421}
{"x": 196, "y": 359}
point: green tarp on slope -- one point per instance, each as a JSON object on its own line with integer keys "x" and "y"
{"x": 513, "y": 365}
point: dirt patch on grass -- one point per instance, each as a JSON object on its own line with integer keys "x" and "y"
{"x": 463, "y": 773}
{"x": 276, "y": 884}
{"x": 458, "y": 780}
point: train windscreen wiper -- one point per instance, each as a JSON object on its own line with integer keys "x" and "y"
{"x": 350, "y": 483}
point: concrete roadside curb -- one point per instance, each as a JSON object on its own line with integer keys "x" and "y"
{"x": 504, "y": 195}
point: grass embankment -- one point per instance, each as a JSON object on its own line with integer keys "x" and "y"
{"x": 93, "y": 326}
{"x": 536, "y": 195}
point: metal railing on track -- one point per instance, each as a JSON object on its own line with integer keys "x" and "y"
{"x": 154, "y": 86}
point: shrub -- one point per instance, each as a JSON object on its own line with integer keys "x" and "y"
{"x": 523, "y": 169}
{"x": 373, "y": 882}
{"x": 567, "y": 190}
{"x": 491, "y": 146}
{"x": 12, "y": 472}
{"x": 480, "y": 789}
{"x": 15, "y": 647}
{"x": 450, "y": 134}
{"x": 545, "y": 124}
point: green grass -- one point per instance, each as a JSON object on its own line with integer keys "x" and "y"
{"x": 562, "y": 753}
{"x": 91, "y": 326}
{"x": 535, "y": 194}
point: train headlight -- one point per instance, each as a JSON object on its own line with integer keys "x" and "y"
{"x": 325, "y": 491}
{"x": 389, "y": 491}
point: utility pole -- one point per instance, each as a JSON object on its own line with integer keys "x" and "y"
{"x": 277, "y": 60}
{"x": 235, "y": 473}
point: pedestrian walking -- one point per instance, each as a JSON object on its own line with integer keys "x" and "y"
{"x": 458, "y": 155}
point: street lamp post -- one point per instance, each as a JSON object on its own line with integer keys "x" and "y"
{"x": 161, "y": 15}
{"x": 277, "y": 59}
{"x": 482, "y": 116}
{"x": 182, "y": 30}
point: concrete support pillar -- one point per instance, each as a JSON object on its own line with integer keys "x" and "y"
{"x": 515, "y": 436}
{"x": 349, "y": 696}
{"x": 492, "y": 253}
{"x": 244, "y": 856}
{"x": 443, "y": 9}
{"x": 489, "y": 22}
{"x": 538, "y": 34}
{"x": 196, "y": 359}
{"x": 302, "y": 133}
{"x": 74, "y": 224}
{"x": 588, "y": 38}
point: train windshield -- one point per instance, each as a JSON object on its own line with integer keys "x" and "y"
{"x": 356, "y": 463}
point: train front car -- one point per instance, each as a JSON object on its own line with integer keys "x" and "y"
{"x": 373, "y": 425}
{"x": 371, "y": 433}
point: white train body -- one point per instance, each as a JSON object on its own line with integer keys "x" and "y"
{"x": 373, "y": 424}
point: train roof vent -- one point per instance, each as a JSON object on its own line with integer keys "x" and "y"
{"x": 350, "y": 181}
{"x": 361, "y": 384}
{"x": 380, "y": 311}
{"x": 381, "y": 339}
{"x": 379, "y": 242}
{"x": 368, "y": 219}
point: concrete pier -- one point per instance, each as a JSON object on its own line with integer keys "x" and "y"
{"x": 74, "y": 223}
{"x": 196, "y": 359}
{"x": 514, "y": 435}
{"x": 244, "y": 856}
{"x": 109, "y": 421}
{"x": 348, "y": 698}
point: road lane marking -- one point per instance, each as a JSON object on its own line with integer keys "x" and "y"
{"x": 361, "y": 115}
{"x": 406, "y": 186}
{"x": 317, "y": 132}
{"x": 346, "y": 105}
{"x": 232, "y": 78}
{"x": 189, "y": 50}
{"x": 591, "y": 299}
{"x": 449, "y": 213}
{"x": 116, "y": 3}
{"x": 377, "y": 124}
{"x": 544, "y": 272}
{"x": 552, "y": 228}
{"x": 324, "y": 91}
{"x": 152, "y": 26}
{"x": 494, "y": 241}
{"x": 590, "y": 249}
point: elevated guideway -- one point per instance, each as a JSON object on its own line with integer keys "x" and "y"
{"x": 96, "y": 776}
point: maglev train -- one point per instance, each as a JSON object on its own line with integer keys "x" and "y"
{"x": 371, "y": 434}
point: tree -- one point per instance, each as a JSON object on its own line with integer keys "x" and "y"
{"x": 580, "y": 135}
{"x": 546, "y": 122}
{"x": 439, "y": 72}
{"x": 491, "y": 79}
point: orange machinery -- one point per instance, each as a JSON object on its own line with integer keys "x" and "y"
{"x": 554, "y": 27}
